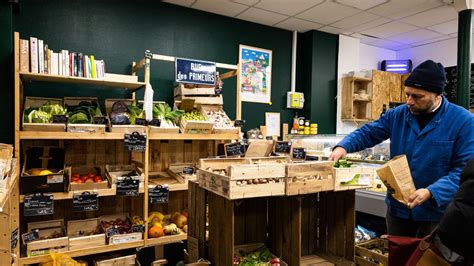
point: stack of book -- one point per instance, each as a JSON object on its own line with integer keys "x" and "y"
{"x": 36, "y": 57}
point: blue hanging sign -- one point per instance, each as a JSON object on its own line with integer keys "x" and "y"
{"x": 195, "y": 71}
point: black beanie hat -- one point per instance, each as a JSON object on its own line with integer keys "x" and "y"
{"x": 429, "y": 76}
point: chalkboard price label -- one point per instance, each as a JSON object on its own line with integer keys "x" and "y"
{"x": 158, "y": 194}
{"x": 127, "y": 186}
{"x": 100, "y": 120}
{"x": 155, "y": 122}
{"x": 38, "y": 204}
{"x": 30, "y": 237}
{"x": 299, "y": 153}
{"x": 138, "y": 228}
{"x": 283, "y": 147}
{"x": 234, "y": 149}
{"x": 140, "y": 121}
{"x": 113, "y": 230}
{"x": 135, "y": 142}
{"x": 85, "y": 201}
{"x": 239, "y": 123}
{"x": 59, "y": 119}
{"x": 218, "y": 91}
{"x": 188, "y": 170}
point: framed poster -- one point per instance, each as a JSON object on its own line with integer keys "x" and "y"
{"x": 255, "y": 74}
{"x": 272, "y": 122}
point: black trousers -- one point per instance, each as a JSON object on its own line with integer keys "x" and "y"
{"x": 403, "y": 227}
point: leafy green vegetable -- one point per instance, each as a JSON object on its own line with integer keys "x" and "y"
{"x": 353, "y": 181}
{"x": 342, "y": 163}
{"x": 53, "y": 109}
{"x": 36, "y": 116}
{"x": 258, "y": 257}
{"x": 135, "y": 112}
{"x": 79, "y": 117}
{"x": 167, "y": 116}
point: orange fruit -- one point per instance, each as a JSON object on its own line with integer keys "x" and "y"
{"x": 156, "y": 231}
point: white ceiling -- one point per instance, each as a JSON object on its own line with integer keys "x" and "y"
{"x": 390, "y": 24}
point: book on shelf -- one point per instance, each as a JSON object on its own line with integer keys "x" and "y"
{"x": 93, "y": 73}
{"x": 60, "y": 63}
{"x": 46, "y": 59}
{"x": 37, "y": 57}
{"x": 54, "y": 63}
{"x": 24, "y": 56}
{"x": 80, "y": 68}
{"x": 40, "y": 57}
{"x": 34, "y": 54}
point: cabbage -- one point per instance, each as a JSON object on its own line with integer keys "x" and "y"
{"x": 37, "y": 116}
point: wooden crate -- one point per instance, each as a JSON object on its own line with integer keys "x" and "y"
{"x": 259, "y": 148}
{"x": 120, "y": 238}
{"x": 38, "y": 102}
{"x": 302, "y": 230}
{"x": 114, "y": 172}
{"x": 121, "y": 128}
{"x": 128, "y": 260}
{"x": 89, "y": 128}
{"x": 365, "y": 256}
{"x": 75, "y": 230}
{"x": 195, "y": 126}
{"x": 169, "y": 130}
{"x": 366, "y": 177}
{"x": 314, "y": 228}
{"x": 217, "y": 100}
{"x": 309, "y": 177}
{"x": 176, "y": 171}
{"x": 244, "y": 180}
{"x": 208, "y": 108}
{"x": 87, "y": 186}
{"x": 45, "y": 229}
{"x": 186, "y": 90}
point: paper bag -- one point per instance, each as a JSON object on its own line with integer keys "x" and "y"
{"x": 396, "y": 176}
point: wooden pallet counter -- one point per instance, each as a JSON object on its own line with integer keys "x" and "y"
{"x": 301, "y": 229}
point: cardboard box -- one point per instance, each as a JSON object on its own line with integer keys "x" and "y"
{"x": 396, "y": 176}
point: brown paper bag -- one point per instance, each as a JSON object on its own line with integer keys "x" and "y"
{"x": 396, "y": 176}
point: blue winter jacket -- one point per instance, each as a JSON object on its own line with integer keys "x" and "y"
{"x": 436, "y": 155}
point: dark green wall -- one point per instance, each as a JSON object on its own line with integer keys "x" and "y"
{"x": 6, "y": 76}
{"x": 317, "y": 76}
{"x": 119, "y": 32}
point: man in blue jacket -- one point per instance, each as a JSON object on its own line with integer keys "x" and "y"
{"x": 438, "y": 139}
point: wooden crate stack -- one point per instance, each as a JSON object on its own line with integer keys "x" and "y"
{"x": 308, "y": 229}
{"x": 200, "y": 95}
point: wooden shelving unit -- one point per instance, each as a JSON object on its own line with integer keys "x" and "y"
{"x": 29, "y": 77}
{"x": 99, "y": 149}
{"x": 84, "y": 252}
{"x": 356, "y": 99}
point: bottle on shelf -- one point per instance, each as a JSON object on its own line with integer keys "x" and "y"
{"x": 294, "y": 129}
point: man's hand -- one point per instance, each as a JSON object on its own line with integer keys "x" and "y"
{"x": 337, "y": 153}
{"x": 418, "y": 197}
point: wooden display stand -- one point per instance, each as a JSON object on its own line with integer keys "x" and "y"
{"x": 356, "y": 99}
{"x": 363, "y": 98}
{"x": 301, "y": 230}
{"x": 92, "y": 149}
